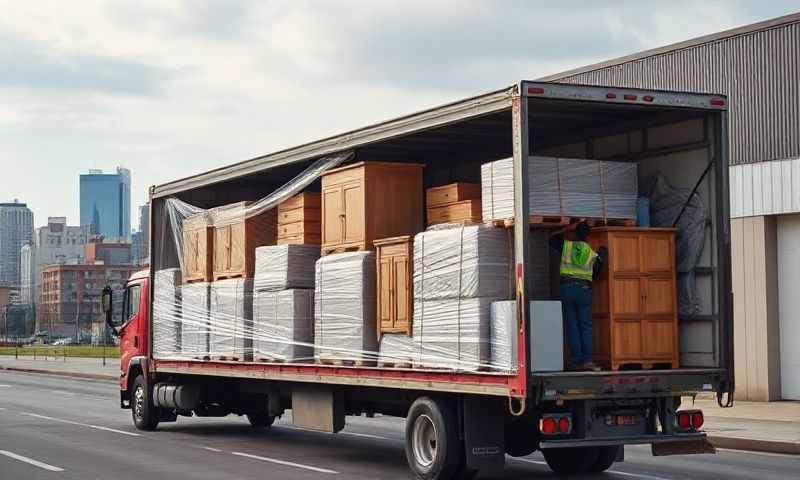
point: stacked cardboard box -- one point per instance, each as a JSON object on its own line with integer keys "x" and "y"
{"x": 167, "y": 313}
{"x": 562, "y": 187}
{"x": 195, "y": 319}
{"x": 344, "y": 308}
{"x": 283, "y": 306}
{"x": 458, "y": 273}
{"x": 232, "y": 319}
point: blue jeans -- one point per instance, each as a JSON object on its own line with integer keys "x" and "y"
{"x": 576, "y": 305}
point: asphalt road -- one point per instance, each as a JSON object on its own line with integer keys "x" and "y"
{"x": 60, "y": 428}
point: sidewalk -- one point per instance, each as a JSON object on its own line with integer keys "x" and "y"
{"x": 91, "y": 368}
{"x": 767, "y": 427}
{"x": 759, "y": 426}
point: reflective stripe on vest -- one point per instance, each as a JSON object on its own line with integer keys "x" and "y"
{"x": 577, "y": 260}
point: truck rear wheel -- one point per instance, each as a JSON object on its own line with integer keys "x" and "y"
{"x": 571, "y": 461}
{"x": 433, "y": 449}
{"x": 145, "y": 414}
{"x": 260, "y": 420}
{"x": 606, "y": 457}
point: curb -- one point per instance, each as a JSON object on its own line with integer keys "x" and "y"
{"x": 755, "y": 445}
{"x": 86, "y": 376}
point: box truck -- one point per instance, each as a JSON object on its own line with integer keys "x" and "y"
{"x": 459, "y": 420}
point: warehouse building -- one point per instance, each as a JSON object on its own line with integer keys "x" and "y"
{"x": 758, "y": 67}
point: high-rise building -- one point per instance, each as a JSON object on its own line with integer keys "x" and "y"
{"x": 55, "y": 243}
{"x": 141, "y": 238}
{"x": 106, "y": 203}
{"x": 16, "y": 229}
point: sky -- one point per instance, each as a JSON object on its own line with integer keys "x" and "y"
{"x": 171, "y": 88}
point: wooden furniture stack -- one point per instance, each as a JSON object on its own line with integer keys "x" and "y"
{"x": 198, "y": 249}
{"x": 634, "y": 311}
{"x": 299, "y": 220}
{"x": 236, "y": 237}
{"x": 366, "y": 201}
{"x": 395, "y": 303}
{"x": 455, "y": 203}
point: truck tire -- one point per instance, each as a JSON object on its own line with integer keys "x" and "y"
{"x": 521, "y": 436}
{"x": 571, "y": 461}
{"x": 260, "y": 420}
{"x": 606, "y": 457}
{"x": 433, "y": 449}
{"x": 144, "y": 413}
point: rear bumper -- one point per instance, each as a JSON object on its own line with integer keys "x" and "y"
{"x": 633, "y": 440}
{"x": 554, "y": 386}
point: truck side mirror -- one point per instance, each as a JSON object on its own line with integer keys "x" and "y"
{"x": 108, "y": 309}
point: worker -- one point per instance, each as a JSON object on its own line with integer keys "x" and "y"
{"x": 579, "y": 263}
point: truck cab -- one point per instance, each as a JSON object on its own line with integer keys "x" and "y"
{"x": 131, "y": 326}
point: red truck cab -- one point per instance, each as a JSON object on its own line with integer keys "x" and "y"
{"x": 132, "y": 329}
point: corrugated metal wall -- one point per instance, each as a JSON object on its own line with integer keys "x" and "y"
{"x": 768, "y": 188}
{"x": 759, "y": 71}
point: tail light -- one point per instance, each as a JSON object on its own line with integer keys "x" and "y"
{"x": 718, "y": 102}
{"x": 556, "y": 424}
{"x": 690, "y": 420}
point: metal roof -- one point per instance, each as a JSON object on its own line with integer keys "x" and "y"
{"x": 705, "y": 39}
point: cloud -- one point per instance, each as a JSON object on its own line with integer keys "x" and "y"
{"x": 34, "y": 65}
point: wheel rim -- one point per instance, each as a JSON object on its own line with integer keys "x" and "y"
{"x": 425, "y": 440}
{"x": 138, "y": 402}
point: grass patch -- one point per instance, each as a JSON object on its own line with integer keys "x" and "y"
{"x": 86, "y": 351}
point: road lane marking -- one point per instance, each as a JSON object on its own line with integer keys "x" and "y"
{"x": 31, "y": 461}
{"x": 5, "y": 386}
{"x": 212, "y": 449}
{"x": 613, "y": 472}
{"x": 364, "y": 435}
{"x": 288, "y": 464}
{"x": 70, "y": 422}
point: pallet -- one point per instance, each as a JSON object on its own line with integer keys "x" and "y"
{"x": 195, "y": 280}
{"x": 265, "y": 359}
{"x": 406, "y": 365}
{"x": 555, "y": 221}
{"x": 225, "y": 358}
{"x": 343, "y": 249}
{"x": 649, "y": 365}
{"x": 228, "y": 276}
{"x": 341, "y": 362}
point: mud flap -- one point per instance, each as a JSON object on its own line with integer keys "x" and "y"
{"x": 688, "y": 447}
{"x": 484, "y": 443}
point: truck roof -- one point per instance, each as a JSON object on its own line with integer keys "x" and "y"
{"x": 485, "y": 104}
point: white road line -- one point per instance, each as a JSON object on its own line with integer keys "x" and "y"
{"x": 364, "y": 435}
{"x": 613, "y": 472}
{"x": 288, "y": 464}
{"x": 211, "y": 449}
{"x": 70, "y": 422}
{"x": 63, "y": 392}
{"x": 2, "y": 408}
{"x": 31, "y": 461}
{"x": 5, "y": 386}
{"x": 753, "y": 452}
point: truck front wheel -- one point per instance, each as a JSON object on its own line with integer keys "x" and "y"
{"x": 433, "y": 449}
{"x": 145, "y": 414}
{"x": 571, "y": 461}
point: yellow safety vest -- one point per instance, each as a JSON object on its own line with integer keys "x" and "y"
{"x": 577, "y": 260}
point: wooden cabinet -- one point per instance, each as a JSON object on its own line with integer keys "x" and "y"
{"x": 369, "y": 200}
{"x": 198, "y": 250}
{"x": 452, "y": 193}
{"x": 394, "y": 257}
{"x": 634, "y": 311}
{"x": 299, "y": 219}
{"x": 467, "y": 211}
{"x": 236, "y": 237}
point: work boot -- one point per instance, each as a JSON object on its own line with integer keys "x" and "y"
{"x": 591, "y": 367}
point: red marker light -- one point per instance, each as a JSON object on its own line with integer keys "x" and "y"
{"x": 718, "y": 102}
{"x": 648, "y": 98}
{"x": 611, "y": 95}
{"x": 684, "y": 421}
{"x": 563, "y": 425}
{"x": 629, "y": 97}
{"x": 535, "y": 90}
{"x": 549, "y": 425}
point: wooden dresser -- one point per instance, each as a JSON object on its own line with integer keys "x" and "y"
{"x": 299, "y": 219}
{"x": 236, "y": 238}
{"x": 454, "y": 203}
{"x": 634, "y": 311}
{"x": 198, "y": 249}
{"x": 394, "y": 264}
{"x": 370, "y": 200}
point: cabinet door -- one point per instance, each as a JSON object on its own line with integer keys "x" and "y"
{"x": 385, "y": 320}
{"x": 627, "y": 335}
{"x": 657, "y": 253}
{"x": 332, "y": 215}
{"x": 624, "y": 253}
{"x": 626, "y": 297}
{"x": 236, "y": 235}
{"x": 659, "y": 338}
{"x": 402, "y": 314}
{"x": 353, "y": 196}
{"x": 658, "y": 296}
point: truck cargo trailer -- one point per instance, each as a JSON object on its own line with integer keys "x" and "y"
{"x": 462, "y": 420}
